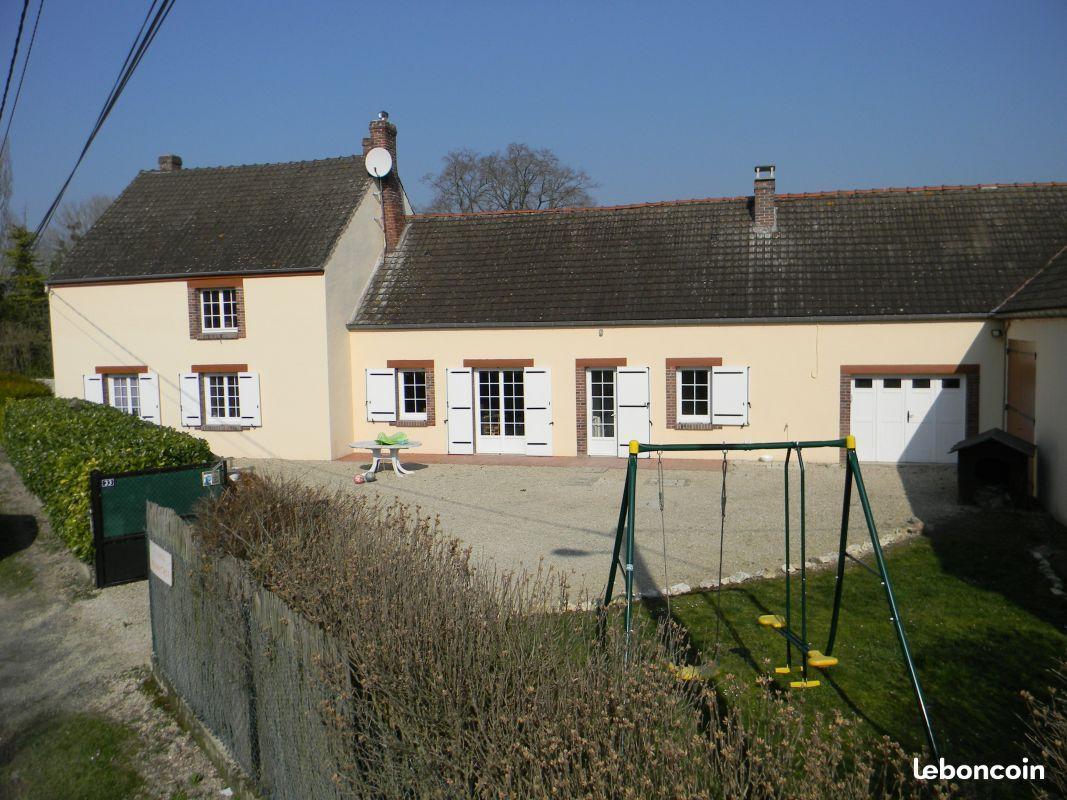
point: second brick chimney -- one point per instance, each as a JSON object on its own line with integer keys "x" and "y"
{"x": 764, "y": 209}
{"x": 383, "y": 134}
{"x": 170, "y": 163}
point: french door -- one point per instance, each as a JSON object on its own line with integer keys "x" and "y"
{"x": 501, "y": 411}
{"x": 602, "y": 438}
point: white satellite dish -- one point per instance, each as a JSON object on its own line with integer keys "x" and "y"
{"x": 378, "y": 162}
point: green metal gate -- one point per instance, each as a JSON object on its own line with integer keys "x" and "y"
{"x": 117, "y": 510}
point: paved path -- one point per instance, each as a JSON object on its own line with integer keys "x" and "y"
{"x": 566, "y": 516}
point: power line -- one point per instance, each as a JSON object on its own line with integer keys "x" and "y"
{"x": 145, "y": 36}
{"x": 14, "y": 56}
{"x": 22, "y": 76}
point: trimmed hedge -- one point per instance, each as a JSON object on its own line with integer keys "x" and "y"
{"x": 16, "y": 387}
{"x": 55, "y": 443}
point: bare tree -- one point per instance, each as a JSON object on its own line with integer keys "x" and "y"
{"x": 70, "y": 224}
{"x": 518, "y": 177}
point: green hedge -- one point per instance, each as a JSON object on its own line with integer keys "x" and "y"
{"x": 16, "y": 387}
{"x": 55, "y": 443}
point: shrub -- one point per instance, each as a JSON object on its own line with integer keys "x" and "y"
{"x": 1047, "y": 733}
{"x": 55, "y": 443}
{"x": 16, "y": 387}
{"x": 464, "y": 680}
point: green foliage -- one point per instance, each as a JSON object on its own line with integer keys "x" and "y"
{"x": 74, "y": 755}
{"x": 16, "y": 387}
{"x": 25, "y": 331}
{"x": 55, "y": 443}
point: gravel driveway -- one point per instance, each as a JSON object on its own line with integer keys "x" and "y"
{"x": 566, "y": 516}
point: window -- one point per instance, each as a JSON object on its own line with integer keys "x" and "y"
{"x": 864, "y": 383}
{"x": 412, "y": 394}
{"x": 223, "y": 399}
{"x": 602, "y": 403}
{"x": 694, "y": 395}
{"x": 950, "y": 383}
{"x": 124, "y": 393}
{"x": 920, "y": 383}
{"x": 891, "y": 383}
{"x": 218, "y": 310}
{"x": 501, "y": 403}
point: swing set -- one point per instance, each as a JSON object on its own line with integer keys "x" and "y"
{"x": 795, "y": 640}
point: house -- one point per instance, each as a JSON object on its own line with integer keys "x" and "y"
{"x": 885, "y": 313}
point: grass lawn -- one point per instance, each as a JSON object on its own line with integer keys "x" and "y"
{"x": 72, "y": 756}
{"x": 980, "y": 620}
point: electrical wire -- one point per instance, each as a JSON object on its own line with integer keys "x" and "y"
{"x": 145, "y": 36}
{"x": 14, "y": 56}
{"x": 22, "y": 76}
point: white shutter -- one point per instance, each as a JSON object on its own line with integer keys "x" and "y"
{"x": 729, "y": 396}
{"x": 459, "y": 410}
{"x": 148, "y": 388}
{"x": 93, "y": 388}
{"x": 189, "y": 386}
{"x": 248, "y": 392}
{"x": 537, "y": 387}
{"x": 381, "y": 395}
{"x": 634, "y": 415}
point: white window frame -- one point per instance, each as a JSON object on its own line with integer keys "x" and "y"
{"x": 131, "y": 390}
{"x": 219, "y": 296}
{"x": 692, "y": 419}
{"x": 231, "y": 394}
{"x": 401, "y": 380}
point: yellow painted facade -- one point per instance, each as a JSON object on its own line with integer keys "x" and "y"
{"x": 1049, "y": 337}
{"x": 794, "y": 382}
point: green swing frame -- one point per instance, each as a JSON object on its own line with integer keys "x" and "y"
{"x": 623, "y": 552}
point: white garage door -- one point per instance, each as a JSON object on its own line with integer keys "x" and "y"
{"x": 916, "y": 419}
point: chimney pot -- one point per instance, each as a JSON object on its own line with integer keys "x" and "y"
{"x": 764, "y": 207}
{"x": 170, "y": 163}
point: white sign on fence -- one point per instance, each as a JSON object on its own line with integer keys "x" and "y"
{"x": 161, "y": 563}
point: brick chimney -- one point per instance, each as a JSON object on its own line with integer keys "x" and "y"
{"x": 765, "y": 211}
{"x": 170, "y": 163}
{"x": 383, "y": 134}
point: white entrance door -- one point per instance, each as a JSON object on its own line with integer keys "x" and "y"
{"x": 600, "y": 389}
{"x": 459, "y": 408}
{"x": 908, "y": 419}
{"x": 501, "y": 411}
{"x": 634, "y": 407}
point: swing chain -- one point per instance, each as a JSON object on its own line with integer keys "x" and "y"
{"x": 722, "y": 536}
{"x": 663, "y": 531}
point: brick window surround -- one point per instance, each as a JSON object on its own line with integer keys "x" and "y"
{"x": 580, "y": 401}
{"x": 672, "y": 367}
{"x": 431, "y": 410}
{"x": 218, "y": 369}
{"x": 850, "y": 371}
{"x": 194, "y": 287}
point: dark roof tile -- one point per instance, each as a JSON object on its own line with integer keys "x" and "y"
{"x": 930, "y": 251}
{"x": 256, "y": 218}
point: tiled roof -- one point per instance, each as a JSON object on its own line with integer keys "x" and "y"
{"x": 1045, "y": 291}
{"x": 257, "y": 218}
{"x": 932, "y": 251}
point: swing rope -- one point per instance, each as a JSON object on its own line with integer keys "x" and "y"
{"x": 663, "y": 531}
{"x": 722, "y": 537}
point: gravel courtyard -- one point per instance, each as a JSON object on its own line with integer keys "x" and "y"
{"x": 566, "y": 516}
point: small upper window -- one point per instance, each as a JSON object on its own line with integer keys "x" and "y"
{"x": 694, "y": 395}
{"x": 920, "y": 383}
{"x": 864, "y": 383}
{"x": 218, "y": 310}
{"x": 891, "y": 383}
{"x": 950, "y": 383}
{"x": 413, "y": 394}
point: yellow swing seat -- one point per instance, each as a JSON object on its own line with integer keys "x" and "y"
{"x": 817, "y": 659}
{"x": 772, "y": 620}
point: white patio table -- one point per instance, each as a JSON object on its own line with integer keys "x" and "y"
{"x": 377, "y": 450}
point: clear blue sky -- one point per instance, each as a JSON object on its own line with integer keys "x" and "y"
{"x": 655, "y": 100}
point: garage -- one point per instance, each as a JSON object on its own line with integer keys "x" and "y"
{"x": 908, "y": 418}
